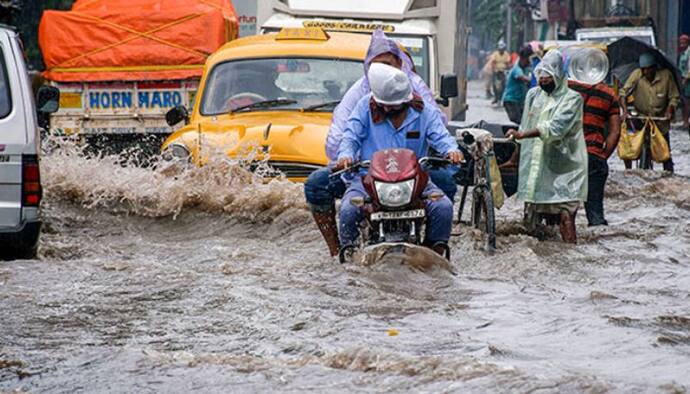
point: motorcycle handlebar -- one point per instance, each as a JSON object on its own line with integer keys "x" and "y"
{"x": 354, "y": 167}
{"x": 439, "y": 161}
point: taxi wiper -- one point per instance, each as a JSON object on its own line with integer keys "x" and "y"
{"x": 264, "y": 104}
{"x": 322, "y": 105}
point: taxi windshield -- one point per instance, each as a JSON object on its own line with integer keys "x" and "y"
{"x": 283, "y": 83}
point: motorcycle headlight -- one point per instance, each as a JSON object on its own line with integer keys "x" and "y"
{"x": 395, "y": 194}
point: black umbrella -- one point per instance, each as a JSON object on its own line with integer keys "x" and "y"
{"x": 624, "y": 56}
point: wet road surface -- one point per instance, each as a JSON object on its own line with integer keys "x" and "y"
{"x": 206, "y": 280}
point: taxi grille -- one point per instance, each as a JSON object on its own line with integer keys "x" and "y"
{"x": 290, "y": 170}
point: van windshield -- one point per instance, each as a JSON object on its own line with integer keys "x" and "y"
{"x": 5, "y": 101}
{"x": 295, "y": 82}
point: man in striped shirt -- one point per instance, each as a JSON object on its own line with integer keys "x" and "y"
{"x": 601, "y": 111}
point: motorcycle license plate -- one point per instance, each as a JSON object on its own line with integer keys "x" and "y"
{"x": 414, "y": 214}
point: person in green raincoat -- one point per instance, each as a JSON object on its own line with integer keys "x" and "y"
{"x": 553, "y": 155}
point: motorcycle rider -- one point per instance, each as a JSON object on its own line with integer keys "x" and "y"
{"x": 392, "y": 116}
{"x": 320, "y": 189}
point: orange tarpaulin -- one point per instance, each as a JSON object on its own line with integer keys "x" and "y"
{"x": 114, "y": 40}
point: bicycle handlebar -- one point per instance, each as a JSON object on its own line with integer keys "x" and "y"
{"x": 647, "y": 117}
{"x": 435, "y": 161}
{"x": 504, "y": 141}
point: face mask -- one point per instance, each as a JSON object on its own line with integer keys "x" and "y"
{"x": 395, "y": 112}
{"x": 548, "y": 87}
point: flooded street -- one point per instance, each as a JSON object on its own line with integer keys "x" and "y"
{"x": 149, "y": 281}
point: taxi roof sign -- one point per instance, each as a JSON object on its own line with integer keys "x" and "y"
{"x": 349, "y": 26}
{"x": 307, "y": 33}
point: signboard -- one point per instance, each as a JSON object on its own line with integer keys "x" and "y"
{"x": 350, "y": 26}
{"x": 246, "y": 15}
{"x": 120, "y": 107}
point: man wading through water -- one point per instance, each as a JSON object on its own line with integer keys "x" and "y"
{"x": 321, "y": 190}
{"x": 553, "y": 154}
{"x": 654, "y": 93}
{"x": 601, "y": 112}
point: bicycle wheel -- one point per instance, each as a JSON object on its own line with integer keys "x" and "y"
{"x": 645, "y": 161}
{"x": 483, "y": 215}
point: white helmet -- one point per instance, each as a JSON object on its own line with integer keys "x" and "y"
{"x": 389, "y": 86}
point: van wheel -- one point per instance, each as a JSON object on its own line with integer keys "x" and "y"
{"x": 27, "y": 252}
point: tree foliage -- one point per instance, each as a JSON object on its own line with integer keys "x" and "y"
{"x": 489, "y": 19}
{"x": 26, "y": 19}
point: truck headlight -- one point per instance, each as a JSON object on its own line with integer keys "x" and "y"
{"x": 176, "y": 152}
{"x": 395, "y": 194}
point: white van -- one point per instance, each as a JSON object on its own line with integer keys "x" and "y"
{"x": 20, "y": 181}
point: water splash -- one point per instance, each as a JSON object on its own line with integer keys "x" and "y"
{"x": 163, "y": 188}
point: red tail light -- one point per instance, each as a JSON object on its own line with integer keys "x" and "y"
{"x": 31, "y": 181}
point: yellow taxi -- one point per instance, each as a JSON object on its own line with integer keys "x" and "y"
{"x": 269, "y": 97}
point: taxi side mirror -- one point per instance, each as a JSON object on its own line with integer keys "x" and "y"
{"x": 48, "y": 99}
{"x": 449, "y": 88}
{"x": 177, "y": 115}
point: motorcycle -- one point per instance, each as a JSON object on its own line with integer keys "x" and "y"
{"x": 394, "y": 206}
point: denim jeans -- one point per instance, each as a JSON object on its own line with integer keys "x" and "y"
{"x": 321, "y": 190}
{"x": 439, "y": 215}
{"x": 594, "y": 206}
{"x": 514, "y": 111}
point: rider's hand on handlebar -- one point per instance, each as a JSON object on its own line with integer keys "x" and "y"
{"x": 344, "y": 163}
{"x": 456, "y": 157}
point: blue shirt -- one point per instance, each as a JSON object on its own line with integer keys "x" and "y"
{"x": 362, "y": 137}
{"x": 516, "y": 89}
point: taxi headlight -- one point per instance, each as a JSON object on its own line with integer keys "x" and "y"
{"x": 395, "y": 194}
{"x": 176, "y": 152}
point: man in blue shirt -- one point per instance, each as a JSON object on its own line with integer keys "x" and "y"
{"x": 516, "y": 87}
{"x": 393, "y": 117}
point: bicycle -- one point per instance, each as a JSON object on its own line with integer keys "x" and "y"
{"x": 478, "y": 175}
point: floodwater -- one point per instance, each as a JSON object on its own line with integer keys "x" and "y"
{"x": 206, "y": 280}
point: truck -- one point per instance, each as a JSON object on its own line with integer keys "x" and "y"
{"x": 612, "y": 28}
{"x": 120, "y": 67}
{"x": 607, "y": 35}
{"x": 434, "y": 32}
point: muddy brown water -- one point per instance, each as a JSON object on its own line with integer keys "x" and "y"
{"x": 205, "y": 280}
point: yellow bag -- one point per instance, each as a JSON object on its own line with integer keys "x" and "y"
{"x": 496, "y": 183}
{"x": 658, "y": 144}
{"x": 630, "y": 144}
